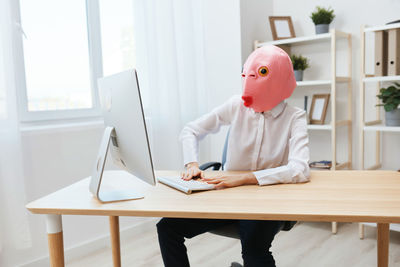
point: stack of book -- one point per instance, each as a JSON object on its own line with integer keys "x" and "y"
{"x": 323, "y": 164}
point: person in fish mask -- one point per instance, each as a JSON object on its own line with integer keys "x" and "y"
{"x": 267, "y": 137}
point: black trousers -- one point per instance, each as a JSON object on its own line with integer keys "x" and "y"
{"x": 256, "y": 238}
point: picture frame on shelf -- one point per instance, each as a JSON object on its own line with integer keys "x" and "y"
{"x": 319, "y": 106}
{"x": 281, "y": 27}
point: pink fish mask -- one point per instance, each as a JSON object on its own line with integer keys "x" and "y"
{"x": 268, "y": 78}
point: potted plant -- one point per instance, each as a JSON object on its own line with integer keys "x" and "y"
{"x": 300, "y": 63}
{"x": 322, "y": 18}
{"x": 391, "y": 101}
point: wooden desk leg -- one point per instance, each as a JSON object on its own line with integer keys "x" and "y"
{"x": 361, "y": 230}
{"x": 383, "y": 244}
{"x": 115, "y": 242}
{"x": 55, "y": 240}
{"x": 334, "y": 228}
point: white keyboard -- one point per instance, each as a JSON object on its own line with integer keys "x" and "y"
{"x": 185, "y": 186}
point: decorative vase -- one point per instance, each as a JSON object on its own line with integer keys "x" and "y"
{"x": 321, "y": 28}
{"x": 298, "y": 75}
{"x": 392, "y": 118}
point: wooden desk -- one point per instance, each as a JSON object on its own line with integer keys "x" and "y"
{"x": 341, "y": 196}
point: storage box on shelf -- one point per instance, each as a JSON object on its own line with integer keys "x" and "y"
{"x": 376, "y": 125}
{"x": 330, "y": 38}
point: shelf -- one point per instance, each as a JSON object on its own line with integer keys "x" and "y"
{"x": 322, "y": 82}
{"x": 328, "y": 127}
{"x": 393, "y": 226}
{"x": 383, "y": 27}
{"x": 382, "y": 128}
{"x": 382, "y": 79}
{"x": 314, "y": 82}
{"x": 325, "y": 127}
{"x": 312, "y": 38}
{"x": 305, "y": 39}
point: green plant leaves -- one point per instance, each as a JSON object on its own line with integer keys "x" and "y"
{"x": 389, "y": 107}
{"x": 390, "y": 97}
{"x": 299, "y": 62}
{"x": 322, "y": 15}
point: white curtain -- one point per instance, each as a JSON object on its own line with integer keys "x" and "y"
{"x": 14, "y": 228}
{"x": 170, "y": 64}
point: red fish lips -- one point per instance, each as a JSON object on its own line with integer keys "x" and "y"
{"x": 248, "y": 100}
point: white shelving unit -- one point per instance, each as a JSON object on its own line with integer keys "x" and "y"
{"x": 381, "y": 128}
{"x": 331, "y": 39}
{"x": 376, "y": 125}
{"x": 319, "y": 127}
{"x": 381, "y": 78}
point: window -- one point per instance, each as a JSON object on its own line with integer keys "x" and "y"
{"x": 56, "y": 55}
{"x": 59, "y": 59}
{"x": 117, "y": 40}
{"x": 64, "y": 50}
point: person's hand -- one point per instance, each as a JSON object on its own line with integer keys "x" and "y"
{"x": 192, "y": 171}
{"x": 224, "y": 181}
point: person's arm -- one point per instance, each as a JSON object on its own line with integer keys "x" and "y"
{"x": 297, "y": 169}
{"x": 196, "y": 130}
{"x": 224, "y": 181}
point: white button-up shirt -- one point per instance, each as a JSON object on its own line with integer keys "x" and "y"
{"x": 272, "y": 144}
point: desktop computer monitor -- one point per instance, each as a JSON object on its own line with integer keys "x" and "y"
{"x": 125, "y": 135}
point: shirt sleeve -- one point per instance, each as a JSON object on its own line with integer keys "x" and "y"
{"x": 196, "y": 130}
{"x": 297, "y": 169}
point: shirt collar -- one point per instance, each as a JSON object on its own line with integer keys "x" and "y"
{"x": 275, "y": 112}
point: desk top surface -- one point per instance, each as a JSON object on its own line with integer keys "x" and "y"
{"x": 342, "y": 196}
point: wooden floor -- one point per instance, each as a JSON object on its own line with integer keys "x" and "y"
{"x": 306, "y": 245}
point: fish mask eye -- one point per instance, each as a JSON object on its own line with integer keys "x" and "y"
{"x": 263, "y": 71}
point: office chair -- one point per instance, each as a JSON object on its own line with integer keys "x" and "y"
{"x": 231, "y": 230}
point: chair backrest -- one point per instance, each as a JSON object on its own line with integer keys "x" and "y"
{"x": 225, "y": 149}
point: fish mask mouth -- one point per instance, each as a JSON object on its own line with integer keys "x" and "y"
{"x": 248, "y": 100}
{"x": 267, "y": 78}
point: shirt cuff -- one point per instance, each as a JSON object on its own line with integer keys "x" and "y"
{"x": 276, "y": 175}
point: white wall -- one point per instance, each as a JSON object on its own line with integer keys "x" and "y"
{"x": 350, "y": 15}
{"x": 254, "y": 24}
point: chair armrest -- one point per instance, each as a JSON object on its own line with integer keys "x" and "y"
{"x": 215, "y": 165}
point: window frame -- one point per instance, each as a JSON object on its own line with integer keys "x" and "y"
{"x": 95, "y": 69}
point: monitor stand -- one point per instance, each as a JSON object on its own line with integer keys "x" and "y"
{"x": 98, "y": 171}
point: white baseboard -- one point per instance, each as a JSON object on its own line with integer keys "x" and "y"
{"x": 92, "y": 245}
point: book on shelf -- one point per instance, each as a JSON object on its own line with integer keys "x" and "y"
{"x": 381, "y": 53}
{"x": 323, "y": 164}
{"x": 393, "y": 62}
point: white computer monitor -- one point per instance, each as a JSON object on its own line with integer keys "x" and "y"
{"x": 125, "y": 135}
